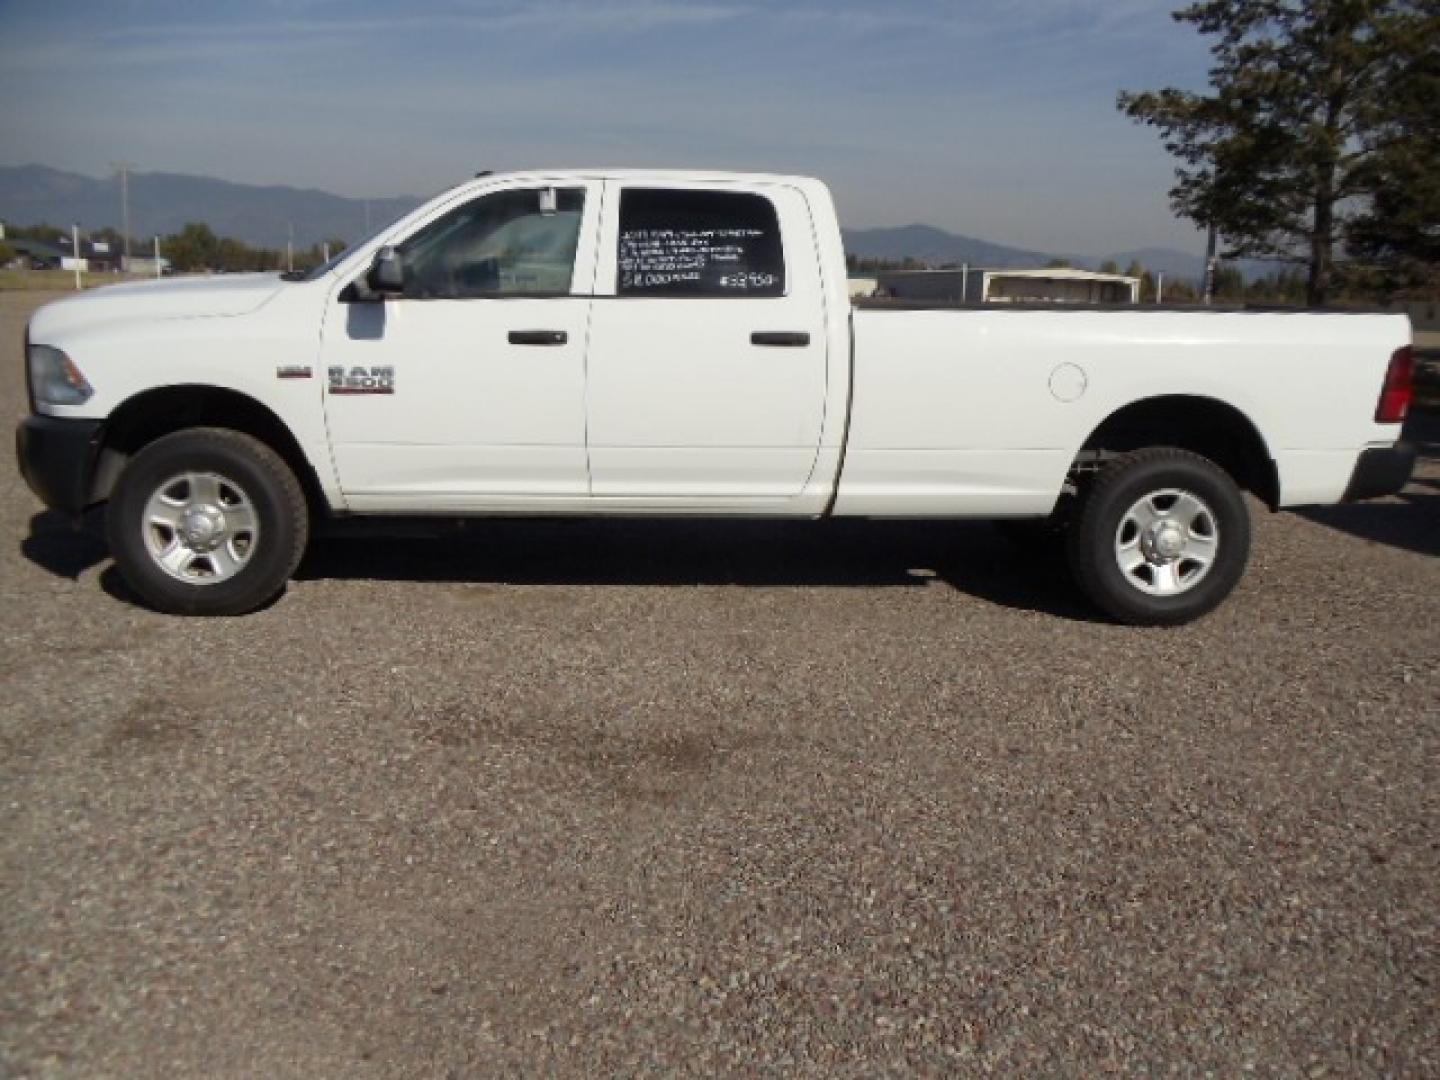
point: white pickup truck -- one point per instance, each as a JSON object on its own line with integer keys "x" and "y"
{"x": 610, "y": 342}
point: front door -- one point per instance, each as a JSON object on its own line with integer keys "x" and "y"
{"x": 707, "y": 361}
{"x": 468, "y": 390}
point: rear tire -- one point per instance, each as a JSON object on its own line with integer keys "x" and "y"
{"x": 207, "y": 521}
{"x": 1160, "y": 537}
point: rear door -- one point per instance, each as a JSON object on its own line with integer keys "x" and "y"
{"x": 707, "y": 355}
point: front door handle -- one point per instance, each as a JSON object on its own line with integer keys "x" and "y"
{"x": 785, "y": 339}
{"x": 538, "y": 337}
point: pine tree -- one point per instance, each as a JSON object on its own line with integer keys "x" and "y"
{"x": 1284, "y": 157}
{"x": 1398, "y": 233}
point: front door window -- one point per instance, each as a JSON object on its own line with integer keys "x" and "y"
{"x": 510, "y": 243}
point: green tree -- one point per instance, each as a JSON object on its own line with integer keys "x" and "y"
{"x": 1109, "y": 266}
{"x": 232, "y": 255}
{"x": 1397, "y": 235}
{"x": 1280, "y": 158}
{"x": 1282, "y": 286}
{"x": 7, "y": 253}
{"x": 195, "y": 247}
{"x": 1229, "y": 283}
{"x": 1180, "y": 291}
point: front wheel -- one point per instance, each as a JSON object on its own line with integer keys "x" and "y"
{"x": 1161, "y": 537}
{"x": 207, "y": 521}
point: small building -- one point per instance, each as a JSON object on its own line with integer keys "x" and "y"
{"x": 36, "y": 254}
{"x": 147, "y": 265}
{"x": 977, "y": 285}
{"x": 861, "y": 286}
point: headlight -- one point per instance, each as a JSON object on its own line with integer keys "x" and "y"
{"x": 54, "y": 378}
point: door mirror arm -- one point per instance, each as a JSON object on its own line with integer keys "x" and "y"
{"x": 386, "y": 276}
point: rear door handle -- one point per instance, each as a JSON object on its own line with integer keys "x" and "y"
{"x": 538, "y": 337}
{"x": 784, "y": 339}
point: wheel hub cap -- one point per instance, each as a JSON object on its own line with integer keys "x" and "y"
{"x": 1164, "y": 541}
{"x": 1167, "y": 542}
{"x": 201, "y": 527}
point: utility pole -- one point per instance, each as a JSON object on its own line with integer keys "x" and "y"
{"x": 75, "y": 248}
{"x": 1159, "y": 286}
{"x": 290, "y": 247}
{"x": 123, "y": 168}
{"x": 1210, "y": 265}
{"x": 157, "y": 256}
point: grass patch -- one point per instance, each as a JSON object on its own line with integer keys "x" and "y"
{"x": 56, "y": 280}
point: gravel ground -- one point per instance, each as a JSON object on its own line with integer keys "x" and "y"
{"x": 605, "y": 798}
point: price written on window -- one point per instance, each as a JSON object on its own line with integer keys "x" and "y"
{"x": 747, "y": 281}
{"x": 689, "y": 260}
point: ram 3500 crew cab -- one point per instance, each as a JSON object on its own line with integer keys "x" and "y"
{"x": 602, "y": 342}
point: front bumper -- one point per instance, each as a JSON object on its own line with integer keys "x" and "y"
{"x": 57, "y": 460}
{"x": 1381, "y": 470}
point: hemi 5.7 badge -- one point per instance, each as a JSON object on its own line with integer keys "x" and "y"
{"x": 362, "y": 380}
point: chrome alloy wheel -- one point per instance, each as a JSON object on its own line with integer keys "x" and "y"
{"x": 1167, "y": 542}
{"x": 200, "y": 528}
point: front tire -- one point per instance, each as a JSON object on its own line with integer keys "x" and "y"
{"x": 207, "y": 521}
{"x": 1162, "y": 536}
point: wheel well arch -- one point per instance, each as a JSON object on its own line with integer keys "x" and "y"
{"x": 1203, "y": 425}
{"x": 140, "y": 420}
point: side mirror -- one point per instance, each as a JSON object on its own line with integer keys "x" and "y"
{"x": 386, "y": 273}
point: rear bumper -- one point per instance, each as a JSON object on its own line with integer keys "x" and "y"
{"x": 1381, "y": 471}
{"x": 57, "y": 460}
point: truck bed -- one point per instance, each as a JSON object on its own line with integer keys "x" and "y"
{"x": 883, "y": 303}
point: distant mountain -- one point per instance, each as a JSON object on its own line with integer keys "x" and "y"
{"x": 936, "y": 247}
{"x": 164, "y": 202}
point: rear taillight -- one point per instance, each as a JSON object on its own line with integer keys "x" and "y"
{"x": 1399, "y": 388}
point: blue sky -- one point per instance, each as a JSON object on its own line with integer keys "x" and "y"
{"x": 995, "y": 119}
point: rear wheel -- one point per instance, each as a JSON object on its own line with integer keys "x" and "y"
{"x": 207, "y": 521}
{"x": 1161, "y": 537}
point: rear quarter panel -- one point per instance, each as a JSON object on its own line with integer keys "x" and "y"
{"x": 965, "y": 412}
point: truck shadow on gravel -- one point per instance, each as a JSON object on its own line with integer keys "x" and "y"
{"x": 1410, "y": 521}
{"x": 971, "y": 557}
{"x": 55, "y": 545}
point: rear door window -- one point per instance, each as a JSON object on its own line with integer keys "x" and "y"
{"x": 696, "y": 243}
